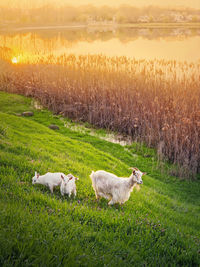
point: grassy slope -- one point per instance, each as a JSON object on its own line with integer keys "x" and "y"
{"x": 160, "y": 224}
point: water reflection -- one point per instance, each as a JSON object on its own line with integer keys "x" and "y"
{"x": 180, "y": 44}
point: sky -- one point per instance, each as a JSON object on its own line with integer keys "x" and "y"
{"x": 138, "y": 3}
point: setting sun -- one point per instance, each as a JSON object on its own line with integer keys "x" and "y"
{"x": 15, "y": 60}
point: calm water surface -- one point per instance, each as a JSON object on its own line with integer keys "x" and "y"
{"x": 169, "y": 44}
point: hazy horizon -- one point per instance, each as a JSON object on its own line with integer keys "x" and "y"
{"x": 38, "y": 3}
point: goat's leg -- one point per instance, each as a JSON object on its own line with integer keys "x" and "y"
{"x": 62, "y": 190}
{"x": 51, "y": 188}
{"x": 112, "y": 201}
{"x": 97, "y": 195}
{"x": 74, "y": 192}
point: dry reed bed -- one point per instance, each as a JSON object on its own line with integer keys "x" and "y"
{"x": 157, "y": 102}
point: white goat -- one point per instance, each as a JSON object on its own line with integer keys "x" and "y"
{"x": 49, "y": 179}
{"x": 68, "y": 185}
{"x": 116, "y": 189}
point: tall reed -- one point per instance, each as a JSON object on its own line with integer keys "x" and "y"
{"x": 156, "y": 101}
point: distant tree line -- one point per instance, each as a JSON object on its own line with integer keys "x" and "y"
{"x": 91, "y": 15}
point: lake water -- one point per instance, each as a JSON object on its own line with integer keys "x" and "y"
{"x": 182, "y": 44}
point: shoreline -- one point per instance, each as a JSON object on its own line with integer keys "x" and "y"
{"x": 189, "y": 25}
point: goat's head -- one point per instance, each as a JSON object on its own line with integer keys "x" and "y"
{"x": 137, "y": 175}
{"x": 35, "y": 178}
{"x": 68, "y": 177}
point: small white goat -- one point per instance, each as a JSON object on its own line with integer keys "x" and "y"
{"x": 116, "y": 189}
{"x": 49, "y": 179}
{"x": 68, "y": 185}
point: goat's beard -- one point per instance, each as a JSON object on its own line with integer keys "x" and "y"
{"x": 137, "y": 186}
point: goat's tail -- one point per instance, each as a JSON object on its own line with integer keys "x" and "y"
{"x": 92, "y": 175}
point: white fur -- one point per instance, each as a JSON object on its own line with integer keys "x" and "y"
{"x": 68, "y": 185}
{"x": 116, "y": 189}
{"x": 49, "y": 179}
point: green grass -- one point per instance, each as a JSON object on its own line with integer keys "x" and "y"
{"x": 158, "y": 225}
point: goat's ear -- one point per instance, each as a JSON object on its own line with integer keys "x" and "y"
{"x": 38, "y": 175}
{"x": 71, "y": 178}
{"x": 133, "y": 171}
{"x": 62, "y": 176}
{"x": 76, "y": 178}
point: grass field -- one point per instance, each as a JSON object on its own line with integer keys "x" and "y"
{"x": 159, "y": 225}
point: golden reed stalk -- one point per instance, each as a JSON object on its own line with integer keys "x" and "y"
{"x": 156, "y": 101}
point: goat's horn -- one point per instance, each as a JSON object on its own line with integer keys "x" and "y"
{"x": 133, "y": 168}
